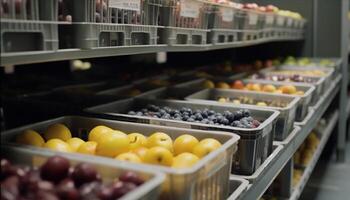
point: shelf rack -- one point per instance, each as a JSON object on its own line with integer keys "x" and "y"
{"x": 310, "y": 167}
{"x": 291, "y": 144}
{"x": 70, "y": 54}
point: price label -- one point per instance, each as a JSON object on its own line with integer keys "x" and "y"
{"x": 227, "y": 14}
{"x": 253, "y": 18}
{"x": 126, "y": 4}
{"x": 280, "y": 20}
{"x": 269, "y": 19}
{"x": 289, "y": 22}
{"x": 190, "y": 8}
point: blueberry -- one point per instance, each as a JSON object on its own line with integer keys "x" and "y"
{"x": 178, "y": 118}
{"x": 158, "y": 114}
{"x": 189, "y": 110}
{"x": 176, "y": 115}
{"x": 224, "y": 121}
{"x": 191, "y": 120}
{"x": 167, "y": 109}
{"x": 246, "y": 112}
{"x": 205, "y": 114}
{"x": 205, "y": 121}
{"x": 131, "y": 113}
{"x": 235, "y": 123}
{"x": 144, "y": 110}
{"x": 227, "y": 113}
{"x": 238, "y": 115}
{"x": 185, "y": 117}
{"x": 139, "y": 113}
{"x": 211, "y": 123}
{"x": 249, "y": 119}
{"x": 182, "y": 110}
{"x": 167, "y": 116}
{"x": 211, "y": 112}
{"x": 241, "y": 126}
{"x": 197, "y": 111}
{"x": 162, "y": 111}
{"x": 198, "y": 116}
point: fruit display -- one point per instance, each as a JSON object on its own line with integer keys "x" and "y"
{"x": 269, "y": 88}
{"x": 58, "y": 179}
{"x": 241, "y": 118}
{"x": 158, "y": 148}
{"x": 303, "y": 156}
{"x": 251, "y": 101}
{"x": 305, "y": 61}
{"x": 298, "y": 72}
{"x": 305, "y": 152}
{"x": 286, "y": 78}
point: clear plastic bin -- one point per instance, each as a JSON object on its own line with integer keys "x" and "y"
{"x": 285, "y": 120}
{"x": 208, "y": 179}
{"x": 109, "y": 23}
{"x": 224, "y": 27}
{"x": 251, "y": 24}
{"x": 28, "y": 25}
{"x": 185, "y": 21}
{"x": 109, "y": 170}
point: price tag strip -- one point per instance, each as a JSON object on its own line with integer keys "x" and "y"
{"x": 134, "y": 5}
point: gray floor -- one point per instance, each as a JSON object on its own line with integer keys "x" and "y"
{"x": 330, "y": 180}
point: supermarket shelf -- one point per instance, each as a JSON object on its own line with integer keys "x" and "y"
{"x": 69, "y": 54}
{"x": 308, "y": 171}
{"x": 291, "y": 144}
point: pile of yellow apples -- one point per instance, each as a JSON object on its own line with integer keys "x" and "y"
{"x": 158, "y": 148}
{"x": 303, "y": 156}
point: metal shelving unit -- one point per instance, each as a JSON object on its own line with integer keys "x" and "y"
{"x": 290, "y": 145}
{"x": 69, "y": 54}
{"x": 308, "y": 171}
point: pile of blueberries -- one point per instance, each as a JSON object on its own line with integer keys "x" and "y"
{"x": 241, "y": 118}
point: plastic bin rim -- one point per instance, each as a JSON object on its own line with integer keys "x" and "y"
{"x": 280, "y": 83}
{"x": 293, "y": 102}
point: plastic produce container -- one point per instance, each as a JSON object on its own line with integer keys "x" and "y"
{"x": 237, "y": 187}
{"x": 108, "y": 170}
{"x": 109, "y": 23}
{"x": 185, "y": 22}
{"x": 277, "y": 148}
{"x": 29, "y": 25}
{"x": 224, "y": 27}
{"x": 309, "y": 97}
{"x": 253, "y": 147}
{"x": 328, "y": 63}
{"x": 321, "y": 85}
{"x": 285, "y": 120}
{"x": 208, "y": 179}
{"x": 251, "y": 24}
{"x": 270, "y": 23}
